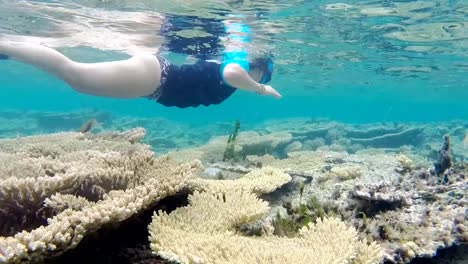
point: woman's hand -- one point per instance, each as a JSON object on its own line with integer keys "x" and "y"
{"x": 268, "y": 90}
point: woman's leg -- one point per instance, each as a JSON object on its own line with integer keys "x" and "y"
{"x": 135, "y": 77}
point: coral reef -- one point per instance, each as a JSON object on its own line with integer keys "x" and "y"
{"x": 369, "y": 189}
{"x": 64, "y": 186}
{"x": 60, "y": 189}
{"x": 229, "y": 200}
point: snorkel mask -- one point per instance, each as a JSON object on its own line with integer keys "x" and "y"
{"x": 266, "y": 77}
{"x": 266, "y": 66}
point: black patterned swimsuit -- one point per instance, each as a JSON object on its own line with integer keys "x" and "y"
{"x": 191, "y": 85}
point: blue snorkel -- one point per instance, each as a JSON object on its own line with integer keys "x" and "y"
{"x": 238, "y": 36}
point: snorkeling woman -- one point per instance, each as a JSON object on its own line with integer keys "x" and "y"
{"x": 152, "y": 76}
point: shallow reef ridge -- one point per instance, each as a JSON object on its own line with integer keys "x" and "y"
{"x": 316, "y": 190}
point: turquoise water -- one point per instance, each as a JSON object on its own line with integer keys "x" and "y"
{"x": 372, "y": 127}
{"x": 371, "y": 61}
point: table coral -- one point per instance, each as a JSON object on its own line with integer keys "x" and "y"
{"x": 115, "y": 175}
{"x": 34, "y": 168}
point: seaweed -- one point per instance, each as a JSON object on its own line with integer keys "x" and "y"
{"x": 316, "y": 209}
{"x": 444, "y": 161}
{"x": 301, "y": 192}
{"x": 286, "y": 226}
{"x": 301, "y": 216}
{"x": 304, "y": 216}
{"x": 229, "y": 152}
{"x": 365, "y": 221}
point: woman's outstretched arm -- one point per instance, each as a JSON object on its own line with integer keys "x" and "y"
{"x": 135, "y": 77}
{"x": 237, "y": 77}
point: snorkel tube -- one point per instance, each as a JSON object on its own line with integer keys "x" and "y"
{"x": 239, "y": 35}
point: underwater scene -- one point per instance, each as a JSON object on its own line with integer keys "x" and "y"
{"x": 234, "y": 131}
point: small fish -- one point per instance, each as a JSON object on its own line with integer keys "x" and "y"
{"x": 89, "y": 125}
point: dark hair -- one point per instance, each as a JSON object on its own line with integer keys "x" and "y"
{"x": 265, "y": 65}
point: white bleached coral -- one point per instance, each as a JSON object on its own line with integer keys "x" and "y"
{"x": 258, "y": 181}
{"x": 205, "y": 232}
{"x": 34, "y": 168}
{"x": 59, "y": 202}
{"x": 67, "y": 229}
{"x": 368, "y": 253}
{"x": 89, "y": 180}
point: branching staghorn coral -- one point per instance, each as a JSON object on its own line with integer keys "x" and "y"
{"x": 60, "y": 202}
{"x": 89, "y": 180}
{"x": 206, "y": 232}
